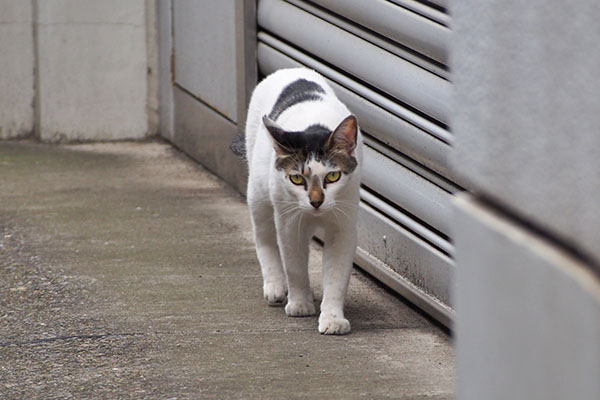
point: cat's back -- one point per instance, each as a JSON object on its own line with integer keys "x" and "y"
{"x": 296, "y": 98}
{"x": 284, "y": 89}
{"x": 291, "y": 82}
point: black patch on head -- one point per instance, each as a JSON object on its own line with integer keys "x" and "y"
{"x": 310, "y": 142}
{"x": 313, "y": 142}
{"x": 299, "y": 91}
{"x": 298, "y": 146}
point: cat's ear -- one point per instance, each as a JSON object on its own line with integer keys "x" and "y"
{"x": 344, "y": 136}
{"x": 278, "y": 135}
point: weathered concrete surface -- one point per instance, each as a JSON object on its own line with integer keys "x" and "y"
{"x": 94, "y": 60}
{"x": 526, "y": 112}
{"x": 17, "y": 68}
{"x": 528, "y": 314}
{"x": 129, "y": 271}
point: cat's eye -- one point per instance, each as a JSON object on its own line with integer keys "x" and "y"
{"x": 297, "y": 179}
{"x": 333, "y": 176}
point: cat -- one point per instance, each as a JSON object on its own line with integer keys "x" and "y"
{"x": 304, "y": 152}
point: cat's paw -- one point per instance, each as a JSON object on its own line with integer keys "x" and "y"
{"x": 275, "y": 293}
{"x": 333, "y": 325}
{"x": 300, "y": 308}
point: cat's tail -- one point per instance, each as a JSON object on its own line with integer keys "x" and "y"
{"x": 238, "y": 145}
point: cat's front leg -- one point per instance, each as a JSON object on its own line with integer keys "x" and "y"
{"x": 293, "y": 238}
{"x": 265, "y": 237}
{"x": 338, "y": 255}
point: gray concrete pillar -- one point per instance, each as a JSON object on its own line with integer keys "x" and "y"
{"x": 526, "y": 117}
{"x": 93, "y": 64}
{"x": 16, "y": 69}
{"x": 78, "y": 69}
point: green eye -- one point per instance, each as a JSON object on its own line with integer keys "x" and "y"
{"x": 297, "y": 179}
{"x": 333, "y": 176}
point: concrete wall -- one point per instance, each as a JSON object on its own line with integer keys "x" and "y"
{"x": 214, "y": 54}
{"x": 165, "y": 60}
{"x": 84, "y": 70}
{"x": 528, "y": 313}
{"x": 16, "y": 69}
{"x": 528, "y": 111}
{"x": 214, "y": 67}
{"x": 526, "y": 123}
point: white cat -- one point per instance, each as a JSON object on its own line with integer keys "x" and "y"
{"x": 304, "y": 154}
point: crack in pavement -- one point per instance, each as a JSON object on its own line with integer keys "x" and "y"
{"x": 71, "y": 337}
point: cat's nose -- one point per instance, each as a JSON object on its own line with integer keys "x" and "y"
{"x": 316, "y": 204}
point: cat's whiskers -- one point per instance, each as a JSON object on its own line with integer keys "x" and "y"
{"x": 343, "y": 212}
{"x": 336, "y": 217}
{"x": 347, "y": 203}
{"x": 339, "y": 205}
{"x": 286, "y": 211}
{"x": 281, "y": 201}
{"x": 299, "y": 230}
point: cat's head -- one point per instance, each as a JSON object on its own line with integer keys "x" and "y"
{"x": 316, "y": 163}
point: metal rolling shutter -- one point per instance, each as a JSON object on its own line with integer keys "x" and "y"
{"x": 387, "y": 61}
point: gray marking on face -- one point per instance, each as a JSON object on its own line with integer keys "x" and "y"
{"x": 315, "y": 191}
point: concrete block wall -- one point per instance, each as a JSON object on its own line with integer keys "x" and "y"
{"x": 17, "y": 71}
{"x": 528, "y": 313}
{"x": 525, "y": 118}
{"x": 164, "y": 17}
{"x": 80, "y": 69}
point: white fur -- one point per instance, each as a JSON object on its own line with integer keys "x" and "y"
{"x": 282, "y": 217}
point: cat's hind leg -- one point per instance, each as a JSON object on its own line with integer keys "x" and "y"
{"x": 265, "y": 237}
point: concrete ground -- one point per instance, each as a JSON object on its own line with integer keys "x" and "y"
{"x": 128, "y": 271}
